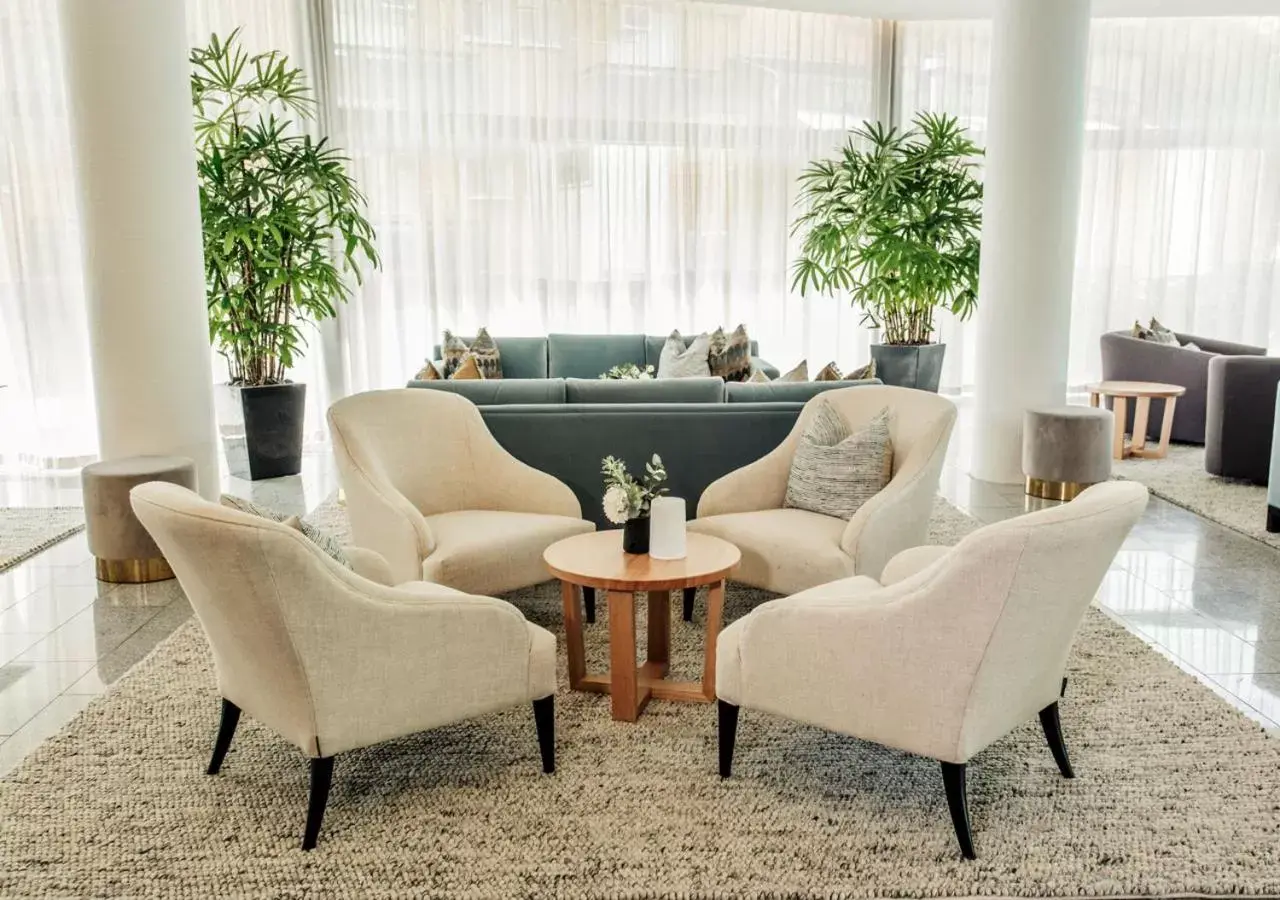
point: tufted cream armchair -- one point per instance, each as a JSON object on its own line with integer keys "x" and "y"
{"x": 789, "y": 550}
{"x": 429, "y": 489}
{"x": 955, "y": 647}
{"x": 330, "y": 660}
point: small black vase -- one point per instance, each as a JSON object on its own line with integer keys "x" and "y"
{"x": 635, "y": 535}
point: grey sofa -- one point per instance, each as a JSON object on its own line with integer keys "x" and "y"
{"x": 701, "y": 427}
{"x": 1240, "y": 416}
{"x": 586, "y": 355}
{"x": 1126, "y": 358}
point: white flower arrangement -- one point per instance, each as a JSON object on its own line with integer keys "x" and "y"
{"x": 628, "y": 372}
{"x": 624, "y": 497}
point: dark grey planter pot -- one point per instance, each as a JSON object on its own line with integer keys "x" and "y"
{"x": 262, "y": 429}
{"x": 915, "y": 366}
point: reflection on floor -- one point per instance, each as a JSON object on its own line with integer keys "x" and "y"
{"x": 1204, "y": 596}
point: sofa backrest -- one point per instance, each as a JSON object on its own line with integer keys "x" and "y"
{"x": 500, "y": 391}
{"x": 697, "y": 443}
{"x": 668, "y": 390}
{"x": 784, "y": 391}
{"x": 591, "y": 355}
{"x": 522, "y": 357}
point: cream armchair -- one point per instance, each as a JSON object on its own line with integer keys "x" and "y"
{"x": 429, "y": 489}
{"x": 330, "y": 660}
{"x": 958, "y": 647}
{"x": 789, "y": 550}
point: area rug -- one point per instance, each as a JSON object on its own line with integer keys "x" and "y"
{"x": 26, "y": 530}
{"x": 1181, "y": 479}
{"x": 1176, "y": 794}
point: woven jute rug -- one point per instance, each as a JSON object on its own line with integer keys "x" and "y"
{"x": 26, "y": 530}
{"x": 1176, "y": 794}
{"x": 1181, "y": 479}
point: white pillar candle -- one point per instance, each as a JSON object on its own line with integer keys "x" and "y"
{"x": 666, "y": 528}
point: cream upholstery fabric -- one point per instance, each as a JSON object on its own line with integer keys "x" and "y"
{"x": 412, "y": 462}
{"x": 951, "y": 657}
{"x": 325, "y": 657}
{"x": 734, "y": 507}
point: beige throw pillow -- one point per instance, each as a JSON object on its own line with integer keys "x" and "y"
{"x": 428, "y": 372}
{"x": 758, "y": 377}
{"x": 468, "y": 370}
{"x": 677, "y": 361}
{"x": 799, "y": 373}
{"x": 863, "y": 373}
{"x": 829, "y": 372}
{"x": 835, "y": 470}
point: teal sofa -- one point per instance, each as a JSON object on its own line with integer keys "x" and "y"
{"x": 585, "y": 355}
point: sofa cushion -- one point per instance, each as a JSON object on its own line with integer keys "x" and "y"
{"x": 670, "y": 390}
{"x": 468, "y": 369}
{"x": 591, "y": 355}
{"x": 653, "y": 344}
{"x": 501, "y": 391}
{"x": 522, "y": 357}
{"x": 784, "y": 391}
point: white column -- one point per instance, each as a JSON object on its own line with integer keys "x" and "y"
{"x": 1035, "y": 141}
{"x": 130, "y": 100}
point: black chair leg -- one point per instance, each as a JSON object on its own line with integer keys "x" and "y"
{"x": 544, "y": 719}
{"x": 689, "y": 594}
{"x": 1053, "y": 734}
{"x": 728, "y": 733}
{"x": 589, "y": 603}
{"x": 321, "y": 778}
{"x": 953, "y": 780}
{"x": 226, "y": 731}
{"x": 1063, "y": 692}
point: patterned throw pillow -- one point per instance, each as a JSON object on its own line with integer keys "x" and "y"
{"x": 428, "y": 372}
{"x": 799, "y": 373}
{"x": 231, "y": 501}
{"x": 830, "y": 372}
{"x": 327, "y": 543}
{"x": 758, "y": 377}
{"x": 835, "y": 471}
{"x": 730, "y": 356}
{"x": 677, "y": 361}
{"x": 867, "y": 371}
{"x": 468, "y": 370}
{"x": 1156, "y": 334}
{"x": 483, "y": 348}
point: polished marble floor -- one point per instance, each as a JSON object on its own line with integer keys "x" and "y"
{"x": 1206, "y": 597}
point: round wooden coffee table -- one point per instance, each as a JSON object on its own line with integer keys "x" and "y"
{"x": 596, "y": 560}
{"x": 1141, "y": 393}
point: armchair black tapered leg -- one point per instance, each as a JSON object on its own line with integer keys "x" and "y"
{"x": 544, "y": 719}
{"x": 589, "y": 604}
{"x": 1063, "y": 692}
{"x": 321, "y": 778}
{"x": 728, "y": 733}
{"x": 689, "y": 595}
{"x": 1053, "y": 734}
{"x": 953, "y": 780}
{"x": 226, "y": 731}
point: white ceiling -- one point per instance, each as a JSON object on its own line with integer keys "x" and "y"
{"x": 974, "y": 9}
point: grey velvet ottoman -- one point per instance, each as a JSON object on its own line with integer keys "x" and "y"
{"x": 1065, "y": 450}
{"x": 123, "y": 550}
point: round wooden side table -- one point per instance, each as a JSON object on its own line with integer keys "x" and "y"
{"x": 596, "y": 560}
{"x": 1141, "y": 393}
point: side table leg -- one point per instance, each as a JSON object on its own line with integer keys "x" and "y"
{"x": 623, "y": 676}
{"x": 660, "y": 629}
{"x": 573, "y": 635}
{"x": 1141, "y": 416}
{"x": 715, "y": 615}
{"x": 1120, "y": 408}
{"x": 1166, "y": 426}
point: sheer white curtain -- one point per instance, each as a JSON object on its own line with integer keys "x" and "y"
{"x": 590, "y": 165}
{"x": 1180, "y": 203}
{"x": 46, "y": 406}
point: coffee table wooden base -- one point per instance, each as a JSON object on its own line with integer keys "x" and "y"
{"x": 1141, "y": 394}
{"x": 630, "y": 685}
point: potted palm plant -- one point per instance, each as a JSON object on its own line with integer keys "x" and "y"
{"x": 283, "y": 222}
{"x": 895, "y": 221}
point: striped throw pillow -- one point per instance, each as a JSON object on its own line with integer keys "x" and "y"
{"x": 835, "y": 469}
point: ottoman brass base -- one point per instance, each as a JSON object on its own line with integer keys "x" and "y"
{"x": 133, "y": 571}
{"x": 1055, "y": 490}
